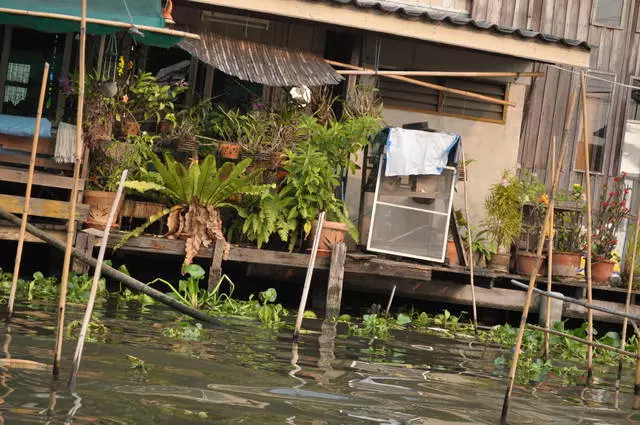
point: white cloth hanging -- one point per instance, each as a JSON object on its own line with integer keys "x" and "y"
{"x": 65, "y": 143}
{"x": 417, "y": 152}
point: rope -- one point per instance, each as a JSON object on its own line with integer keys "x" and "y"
{"x": 629, "y": 86}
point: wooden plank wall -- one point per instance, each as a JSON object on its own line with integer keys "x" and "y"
{"x": 616, "y": 53}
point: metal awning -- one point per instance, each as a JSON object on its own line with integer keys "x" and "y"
{"x": 261, "y": 63}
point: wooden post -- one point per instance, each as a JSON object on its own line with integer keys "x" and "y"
{"x": 336, "y": 276}
{"x": 84, "y": 242}
{"x": 94, "y": 285}
{"x": 547, "y": 316}
{"x": 307, "y": 281}
{"x": 27, "y": 196}
{"x": 627, "y": 304}
{"x": 470, "y": 243}
{"x": 215, "y": 271}
{"x": 74, "y": 192}
{"x": 587, "y": 189}
{"x": 393, "y": 294}
{"x": 532, "y": 278}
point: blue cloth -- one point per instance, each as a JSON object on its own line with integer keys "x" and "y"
{"x": 23, "y": 126}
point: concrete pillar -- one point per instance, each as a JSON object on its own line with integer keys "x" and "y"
{"x": 556, "y": 310}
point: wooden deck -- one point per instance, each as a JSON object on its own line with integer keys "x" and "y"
{"x": 368, "y": 273}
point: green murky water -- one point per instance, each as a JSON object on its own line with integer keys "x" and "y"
{"x": 244, "y": 374}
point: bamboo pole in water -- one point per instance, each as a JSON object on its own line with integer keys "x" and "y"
{"x": 71, "y": 225}
{"x": 627, "y": 304}
{"x": 27, "y": 195}
{"x": 307, "y": 281}
{"x": 94, "y": 285}
{"x": 547, "y": 318}
{"x": 393, "y": 293}
{"x": 532, "y": 278}
{"x": 465, "y": 182}
{"x": 587, "y": 188}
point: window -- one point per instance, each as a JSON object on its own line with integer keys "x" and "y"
{"x": 608, "y": 13}
{"x": 600, "y": 89}
{"x": 629, "y": 162}
{"x": 399, "y": 95}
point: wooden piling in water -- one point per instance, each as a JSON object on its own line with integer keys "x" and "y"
{"x": 336, "y": 277}
{"x": 71, "y": 225}
{"x": 547, "y": 316}
{"x": 532, "y": 278}
{"x": 587, "y": 189}
{"x": 27, "y": 196}
{"x": 470, "y": 243}
{"x": 215, "y": 271}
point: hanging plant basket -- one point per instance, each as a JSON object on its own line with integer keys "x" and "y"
{"x": 229, "y": 150}
{"x": 187, "y": 144}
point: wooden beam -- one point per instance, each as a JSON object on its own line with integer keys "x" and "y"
{"x": 10, "y": 233}
{"x": 19, "y": 175}
{"x": 8, "y": 158}
{"x": 106, "y": 22}
{"x": 438, "y": 87}
{"x": 46, "y": 145}
{"x": 336, "y": 278}
{"x": 215, "y": 271}
{"x": 42, "y": 207}
{"x": 453, "y": 74}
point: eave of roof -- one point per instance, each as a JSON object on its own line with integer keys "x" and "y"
{"x": 418, "y": 12}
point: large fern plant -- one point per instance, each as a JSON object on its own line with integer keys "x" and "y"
{"x": 196, "y": 195}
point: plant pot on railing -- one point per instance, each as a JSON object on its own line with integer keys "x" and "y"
{"x": 565, "y": 264}
{"x": 500, "y": 262}
{"x": 228, "y": 150}
{"x": 601, "y": 271}
{"x": 332, "y": 233}
{"x": 526, "y": 263}
{"x": 99, "y": 207}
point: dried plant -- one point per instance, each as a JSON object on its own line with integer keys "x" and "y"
{"x": 363, "y": 101}
{"x": 321, "y": 105}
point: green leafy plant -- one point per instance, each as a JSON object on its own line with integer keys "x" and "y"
{"x": 568, "y": 233}
{"x": 96, "y": 332}
{"x": 269, "y": 214}
{"x": 150, "y": 100}
{"x": 186, "y": 331}
{"x": 189, "y": 292}
{"x": 196, "y": 195}
{"x": 503, "y": 208}
{"x": 311, "y": 183}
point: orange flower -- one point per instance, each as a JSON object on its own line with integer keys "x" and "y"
{"x": 125, "y": 98}
{"x": 544, "y": 199}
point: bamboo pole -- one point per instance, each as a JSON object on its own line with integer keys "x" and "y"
{"x": 307, "y": 280}
{"x": 547, "y": 318}
{"x": 627, "y": 303}
{"x": 636, "y": 387}
{"x": 465, "y": 182}
{"x": 94, "y": 285}
{"x": 587, "y": 187}
{"x": 71, "y": 225}
{"x": 96, "y": 21}
{"x": 532, "y": 278}
{"x": 585, "y": 342}
{"x": 429, "y": 85}
{"x": 454, "y": 74}
{"x": 393, "y": 293}
{"x": 27, "y": 196}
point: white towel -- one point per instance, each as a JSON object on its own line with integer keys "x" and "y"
{"x": 65, "y": 143}
{"x": 416, "y": 152}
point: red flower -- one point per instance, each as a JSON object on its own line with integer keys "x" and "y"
{"x": 624, "y": 174}
{"x": 626, "y": 191}
{"x": 624, "y": 204}
{"x": 612, "y": 194}
{"x": 615, "y": 241}
{"x": 616, "y": 179}
{"x": 605, "y": 204}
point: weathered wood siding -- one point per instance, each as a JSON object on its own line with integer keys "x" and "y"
{"x": 616, "y": 53}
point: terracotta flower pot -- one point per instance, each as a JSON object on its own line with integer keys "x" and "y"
{"x": 332, "y": 233}
{"x": 229, "y": 150}
{"x": 281, "y": 174}
{"x": 526, "y": 263}
{"x": 452, "y": 253}
{"x": 500, "y": 262}
{"x": 565, "y": 264}
{"x": 601, "y": 271}
{"x": 165, "y": 127}
{"x": 130, "y": 128}
{"x": 99, "y": 207}
{"x": 276, "y": 159}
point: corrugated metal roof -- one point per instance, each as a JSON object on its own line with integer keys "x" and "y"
{"x": 426, "y": 14}
{"x": 261, "y": 63}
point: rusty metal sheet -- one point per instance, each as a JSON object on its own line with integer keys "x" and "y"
{"x": 261, "y": 63}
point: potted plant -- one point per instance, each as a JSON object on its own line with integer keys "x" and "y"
{"x": 195, "y": 196}
{"x": 151, "y": 102}
{"x": 612, "y": 209}
{"x": 227, "y": 126}
{"x": 107, "y": 163}
{"x": 188, "y": 125}
{"x": 534, "y": 210}
{"x": 503, "y": 219}
{"x": 311, "y": 182}
{"x": 568, "y": 243}
{"x": 628, "y": 254}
